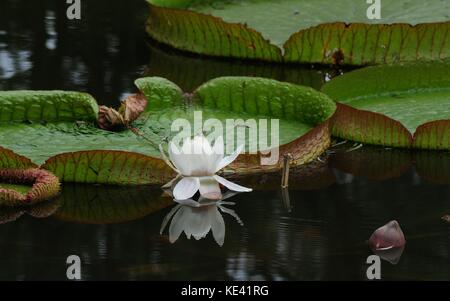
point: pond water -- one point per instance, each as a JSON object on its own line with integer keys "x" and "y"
{"x": 318, "y": 232}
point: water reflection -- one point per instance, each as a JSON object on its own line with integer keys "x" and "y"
{"x": 391, "y": 255}
{"x": 102, "y": 54}
{"x": 116, "y": 230}
{"x": 197, "y": 219}
{"x": 99, "y": 204}
{"x": 42, "y": 210}
{"x": 190, "y": 71}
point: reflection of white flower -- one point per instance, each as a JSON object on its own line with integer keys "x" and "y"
{"x": 197, "y": 219}
{"x": 197, "y": 163}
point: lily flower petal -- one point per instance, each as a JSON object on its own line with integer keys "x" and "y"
{"x": 186, "y": 188}
{"x": 178, "y": 159}
{"x": 227, "y": 160}
{"x": 178, "y": 223}
{"x": 230, "y": 185}
{"x": 218, "y": 227}
{"x": 164, "y": 157}
{"x": 201, "y": 155}
{"x": 209, "y": 188}
{"x": 168, "y": 217}
{"x": 216, "y": 155}
{"x": 188, "y": 202}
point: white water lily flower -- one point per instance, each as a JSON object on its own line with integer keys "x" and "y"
{"x": 197, "y": 219}
{"x": 197, "y": 164}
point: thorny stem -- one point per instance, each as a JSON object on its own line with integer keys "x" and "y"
{"x": 286, "y": 200}
{"x": 286, "y": 164}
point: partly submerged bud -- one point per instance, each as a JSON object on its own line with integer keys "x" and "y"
{"x": 392, "y": 255}
{"x": 387, "y": 237}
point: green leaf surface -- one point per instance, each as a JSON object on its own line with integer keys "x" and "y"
{"x": 109, "y": 167}
{"x": 303, "y": 30}
{"x": 387, "y": 104}
{"x": 9, "y": 159}
{"x": 81, "y": 152}
{"x": 46, "y": 106}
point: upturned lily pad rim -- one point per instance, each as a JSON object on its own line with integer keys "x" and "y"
{"x": 392, "y": 80}
{"x": 246, "y": 42}
{"x": 45, "y": 186}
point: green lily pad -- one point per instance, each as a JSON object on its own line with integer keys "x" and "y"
{"x": 41, "y": 210}
{"x": 303, "y": 31}
{"x": 78, "y": 151}
{"x": 401, "y": 105}
{"x": 46, "y": 106}
{"x": 9, "y": 159}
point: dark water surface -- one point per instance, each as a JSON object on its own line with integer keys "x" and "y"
{"x": 321, "y": 235}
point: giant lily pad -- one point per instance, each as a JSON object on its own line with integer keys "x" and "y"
{"x": 79, "y": 151}
{"x": 401, "y": 105}
{"x": 321, "y": 31}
